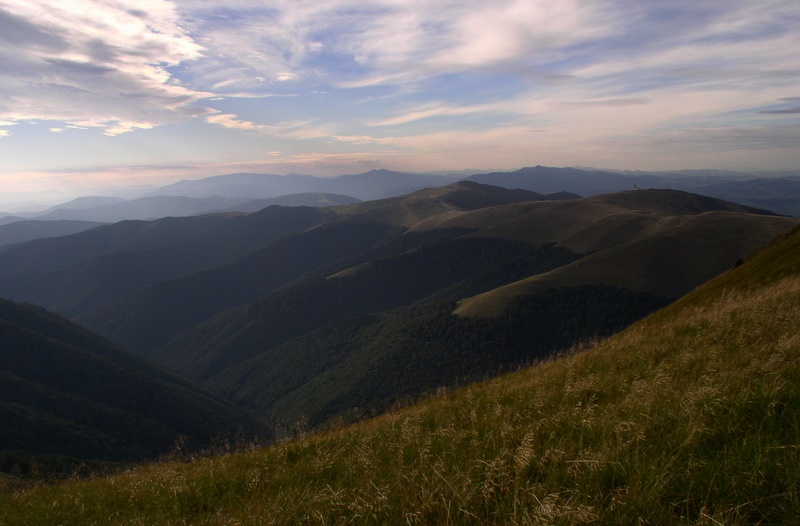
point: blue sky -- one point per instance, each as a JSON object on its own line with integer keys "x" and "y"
{"x": 113, "y": 92}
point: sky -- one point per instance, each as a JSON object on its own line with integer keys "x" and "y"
{"x": 100, "y": 93}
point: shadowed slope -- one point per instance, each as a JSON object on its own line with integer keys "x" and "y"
{"x": 691, "y": 416}
{"x": 322, "y": 346}
{"x": 151, "y": 316}
{"x": 72, "y": 274}
{"x": 21, "y": 231}
{"x": 67, "y": 392}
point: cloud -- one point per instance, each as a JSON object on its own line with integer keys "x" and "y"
{"x": 228, "y": 120}
{"x": 352, "y": 43}
{"x": 508, "y": 32}
{"x": 735, "y": 138}
{"x": 449, "y": 81}
{"x": 439, "y": 110}
{"x": 123, "y": 69}
{"x": 95, "y": 62}
{"x": 786, "y": 111}
{"x": 364, "y": 139}
{"x": 287, "y": 129}
{"x": 389, "y": 42}
{"x": 529, "y": 58}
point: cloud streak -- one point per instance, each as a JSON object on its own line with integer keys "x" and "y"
{"x": 94, "y": 63}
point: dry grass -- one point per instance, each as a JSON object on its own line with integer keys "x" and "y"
{"x": 691, "y": 416}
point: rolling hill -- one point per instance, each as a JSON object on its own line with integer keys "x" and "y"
{"x": 322, "y": 313}
{"x": 145, "y": 208}
{"x": 68, "y": 396}
{"x": 151, "y": 316}
{"x": 773, "y": 191}
{"x": 73, "y": 273}
{"x": 387, "y": 327}
{"x": 27, "y": 230}
{"x": 305, "y": 199}
{"x": 7, "y": 219}
{"x": 112, "y": 210}
{"x": 689, "y": 416}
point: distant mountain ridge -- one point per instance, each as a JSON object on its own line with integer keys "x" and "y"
{"x": 159, "y": 206}
{"x": 27, "y": 230}
{"x": 778, "y": 191}
{"x": 375, "y": 184}
{"x": 71, "y": 273}
{"x": 145, "y": 208}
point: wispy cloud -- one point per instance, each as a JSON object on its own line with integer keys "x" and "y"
{"x": 458, "y": 81}
{"x": 440, "y": 110}
{"x": 286, "y": 129}
{"x": 787, "y": 111}
{"x": 98, "y": 62}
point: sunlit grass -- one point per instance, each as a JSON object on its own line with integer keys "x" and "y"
{"x": 691, "y": 416}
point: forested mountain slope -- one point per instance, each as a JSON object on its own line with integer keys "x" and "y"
{"x": 690, "y": 416}
{"x": 387, "y": 327}
{"x": 67, "y": 395}
{"x": 149, "y": 317}
{"x": 73, "y": 273}
{"x": 321, "y": 313}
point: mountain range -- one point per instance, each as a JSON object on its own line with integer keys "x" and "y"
{"x": 689, "y": 416}
{"x": 319, "y": 314}
{"x": 777, "y": 192}
{"x": 248, "y": 192}
{"x": 27, "y": 230}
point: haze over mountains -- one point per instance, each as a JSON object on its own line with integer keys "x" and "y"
{"x": 247, "y": 192}
{"x": 323, "y": 313}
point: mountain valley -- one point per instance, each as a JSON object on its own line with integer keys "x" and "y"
{"x": 324, "y": 313}
{"x": 689, "y": 415}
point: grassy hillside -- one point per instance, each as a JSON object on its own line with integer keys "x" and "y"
{"x": 677, "y": 254}
{"x": 368, "y": 364}
{"x": 691, "y": 416}
{"x": 68, "y": 396}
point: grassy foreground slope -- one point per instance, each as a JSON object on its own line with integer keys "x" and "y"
{"x": 691, "y": 416}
